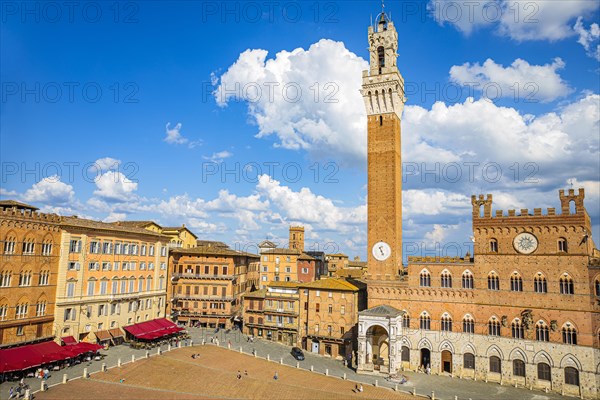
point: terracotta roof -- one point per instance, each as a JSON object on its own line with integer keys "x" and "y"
{"x": 331, "y": 284}
{"x": 91, "y": 224}
{"x": 139, "y": 224}
{"x": 337, "y": 255}
{"x": 282, "y": 250}
{"x": 18, "y": 204}
{"x": 284, "y": 284}
{"x": 305, "y": 256}
{"x": 210, "y": 243}
{"x": 357, "y": 264}
{"x": 213, "y": 250}
{"x": 257, "y": 294}
{"x": 350, "y": 273}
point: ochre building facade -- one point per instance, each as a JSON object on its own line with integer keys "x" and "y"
{"x": 29, "y": 253}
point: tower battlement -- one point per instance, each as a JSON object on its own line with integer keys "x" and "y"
{"x": 482, "y": 207}
{"x": 29, "y": 214}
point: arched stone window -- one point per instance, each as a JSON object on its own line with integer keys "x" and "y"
{"x": 517, "y": 329}
{"x": 446, "y": 323}
{"x": 493, "y": 245}
{"x": 406, "y": 321}
{"x": 469, "y": 361}
{"x": 566, "y": 284}
{"x": 493, "y": 281}
{"x": 571, "y": 376}
{"x": 405, "y": 353}
{"x": 540, "y": 285}
{"x": 562, "y": 245}
{"x": 544, "y": 372}
{"x": 467, "y": 280}
{"x": 494, "y": 327}
{"x": 542, "y": 333}
{"x": 425, "y": 321}
{"x": 446, "y": 279}
{"x": 495, "y": 365}
{"x": 516, "y": 282}
{"x": 518, "y": 368}
{"x": 569, "y": 334}
{"x": 468, "y": 324}
{"x": 425, "y": 278}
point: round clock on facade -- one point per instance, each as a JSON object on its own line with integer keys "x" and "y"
{"x": 525, "y": 243}
{"x": 381, "y": 251}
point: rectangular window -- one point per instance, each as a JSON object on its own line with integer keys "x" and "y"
{"x": 103, "y": 285}
{"x": 151, "y": 266}
{"x": 118, "y": 248}
{"x": 342, "y": 310}
{"x": 94, "y": 247}
{"x": 151, "y": 250}
{"x": 143, "y": 250}
{"x": 106, "y": 247}
{"x": 75, "y": 246}
{"x": 117, "y": 265}
{"x": 115, "y": 287}
{"x": 91, "y": 286}
{"x": 70, "y": 289}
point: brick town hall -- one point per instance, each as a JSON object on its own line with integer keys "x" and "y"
{"x": 523, "y": 310}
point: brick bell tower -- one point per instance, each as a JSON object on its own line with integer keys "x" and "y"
{"x": 383, "y": 94}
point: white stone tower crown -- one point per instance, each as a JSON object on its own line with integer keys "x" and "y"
{"x": 383, "y": 86}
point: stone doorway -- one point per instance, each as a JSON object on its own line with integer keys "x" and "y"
{"x": 446, "y": 361}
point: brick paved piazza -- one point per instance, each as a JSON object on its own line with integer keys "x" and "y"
{"x": 175, "y": 375}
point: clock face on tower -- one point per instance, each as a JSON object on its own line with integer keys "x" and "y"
{"x": 381, "y": 251}
{"x": 525, "y": 243}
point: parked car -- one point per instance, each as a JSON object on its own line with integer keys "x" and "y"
{"x": 297, "y": 353}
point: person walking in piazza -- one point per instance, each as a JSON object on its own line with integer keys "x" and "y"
{"x": 276, "y": 376}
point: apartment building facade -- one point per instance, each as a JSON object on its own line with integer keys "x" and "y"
{"x": 29, "y": 255}
{"x": 109, "y": 276}
{"x": 207, "y": 283}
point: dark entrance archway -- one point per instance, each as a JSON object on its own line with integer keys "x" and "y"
{"x": 425, "y": 358}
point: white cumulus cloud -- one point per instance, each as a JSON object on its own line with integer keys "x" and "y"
{"x": 519, "y": 80}
{"x": 588, "y": 37}
{"x": 115, "y": 186}
{"x": 520, "y": 20}
{"x": 50, "y": 191}
{"x": 306, "y": 99}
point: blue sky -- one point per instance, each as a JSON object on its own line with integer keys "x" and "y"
{"x": 135, "y": 111}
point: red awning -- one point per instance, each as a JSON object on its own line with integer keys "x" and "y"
{"x": 81, "y": 348}
{"x": 31, "y": 355}
{"x": 68, "y": 340}
{"x": 154, "y": 329}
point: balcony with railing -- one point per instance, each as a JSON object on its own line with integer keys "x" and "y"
{"x": 199, "y": 297}
{"x": 190, "y": 275}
